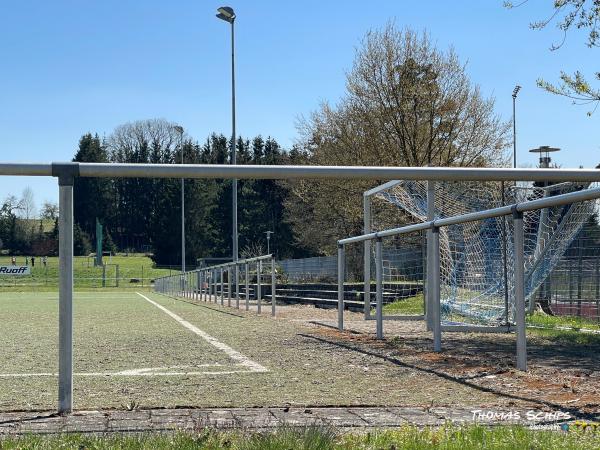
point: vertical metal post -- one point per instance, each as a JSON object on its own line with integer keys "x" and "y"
{"x": 222, "y": 288}
{"x": 273, "y": 287}
{"x": 597, "y": 288}
{"x": 65, "y": 296}
{"x": 258, "y": 287}
{"x": 367, "y": 255}
{"x": 429, "y": 272}
{"x": 247, "y": 282}
{"x": 435, "y": 291}
{"x": 340, "y": 274}
{"x": 520, "y": 290}
{"x": 229, "y": 286}
{"x": 379, "y": 288}
{"x": 214, "y": 286}
{"x": 237, "y": 285}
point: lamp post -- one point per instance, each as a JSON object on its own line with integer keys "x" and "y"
{"x": 179, "y": 131}
{"x": 269, "y": 233}
{"x": 514, "y": 96}
{"x": 227, "y": 14}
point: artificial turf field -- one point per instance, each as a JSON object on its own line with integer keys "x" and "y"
{"x": 149, "y": 350}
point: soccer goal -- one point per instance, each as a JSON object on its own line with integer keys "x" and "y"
{"x": 476, "y": 258}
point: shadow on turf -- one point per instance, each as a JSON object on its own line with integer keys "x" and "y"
{"x": 575, "y": 413}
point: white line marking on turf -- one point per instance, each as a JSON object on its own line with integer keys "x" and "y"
{"x": 233, "y": 354}
{"x": 125, "y": 373}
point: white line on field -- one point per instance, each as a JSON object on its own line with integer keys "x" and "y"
{"x": 233, "y": 354}
{"x": 125, "y": 373}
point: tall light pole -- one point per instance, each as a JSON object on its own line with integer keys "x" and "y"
{"x": 226, "y": 13}
{"x": 514, "y": 96}
{"x": 179, "y": 131}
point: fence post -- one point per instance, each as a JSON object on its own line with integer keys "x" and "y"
{"x": 340, "y": 274}
{"x": 222, "y": 288}
{"x": 215, "y": 280}
{"x": 379, "y": 288}
{"x": 258, "y": 287}
{"x": 65, "y": 295}
{"x": 520, "y": 290}
{"x": 273, "y": 287}
{"x": 247, "y": 282}
{"x": 237, "y": 285}
{"x": 436, "y": 312}
{"x": 229, "y": 286}
{"x": 429, "y": 269}
{"x": 117, "y": 275}
{"x": 598, "y": 288}
{"x": 367, "y": 255}
{"x": 103, "y": 275}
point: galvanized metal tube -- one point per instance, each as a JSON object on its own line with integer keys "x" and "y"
{"x": 435, "y": 285}
{"x": 519, "y": 243}
{"x": 65, "y": 299}
{"x": 222, "y": 288}
{"x": 273, "y": 287}
{"x": 340, "y": 276}
{"x": 379, "y": 288}
{"x": 258, "y": 287}
{"x": 247, "y": 282}
{"x": 229, "y": 286}
{"x": 26, "y": 169}
{"x": 129, "y": 170}
{"x": 367, "y": 255}
{"x": 237, "y": 285}
{"x": 429, "y": 267}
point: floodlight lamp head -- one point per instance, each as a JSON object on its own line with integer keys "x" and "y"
{"x": 516, "y": 91}
{"x": 178, "y": 129}
{"x": 226, "y": 13}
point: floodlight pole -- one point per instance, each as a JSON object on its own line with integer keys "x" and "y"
{"x": 179, "y": 130}
{"x": 514, "y": 97}
{"x": 227, "y": 14}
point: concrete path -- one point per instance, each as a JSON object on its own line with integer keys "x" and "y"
{"x": 157, "y": 420}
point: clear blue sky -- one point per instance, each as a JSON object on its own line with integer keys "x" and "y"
{"x": 71, "y": 67}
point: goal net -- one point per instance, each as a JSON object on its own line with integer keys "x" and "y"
{"x": 474, "y": 287}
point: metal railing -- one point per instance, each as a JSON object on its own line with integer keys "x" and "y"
{"x": 433, "y": 261}
{"x": 230, "y": 280}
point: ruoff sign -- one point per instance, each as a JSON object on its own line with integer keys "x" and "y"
{"x": 14, "y": 270}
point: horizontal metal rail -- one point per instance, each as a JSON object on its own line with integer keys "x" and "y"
{"x": 26, "y": 169}
{"x": 531, "y": 205}
{"x": 219, "y": 266}
{"x": 121, "y": 170}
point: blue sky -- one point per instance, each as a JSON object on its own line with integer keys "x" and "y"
{"x": 71, "y": 67}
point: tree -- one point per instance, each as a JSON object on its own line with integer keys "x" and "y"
{"x": 406, "y": 104}
{"x": 49, "y": 210}
{"x": 567, "y": 15}
{"x": 27, "y": 204}
{"x": 91, "y": 196}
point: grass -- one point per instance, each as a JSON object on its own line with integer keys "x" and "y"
{"x": 134, "y": 271}
{"x": 315, "y": 438}
{"x": 410, "y": 305}
{"x": 573, "y": 322}
{"x": 564, "y": 329}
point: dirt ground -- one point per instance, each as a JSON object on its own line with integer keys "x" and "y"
{"x": 560, "y": 376}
